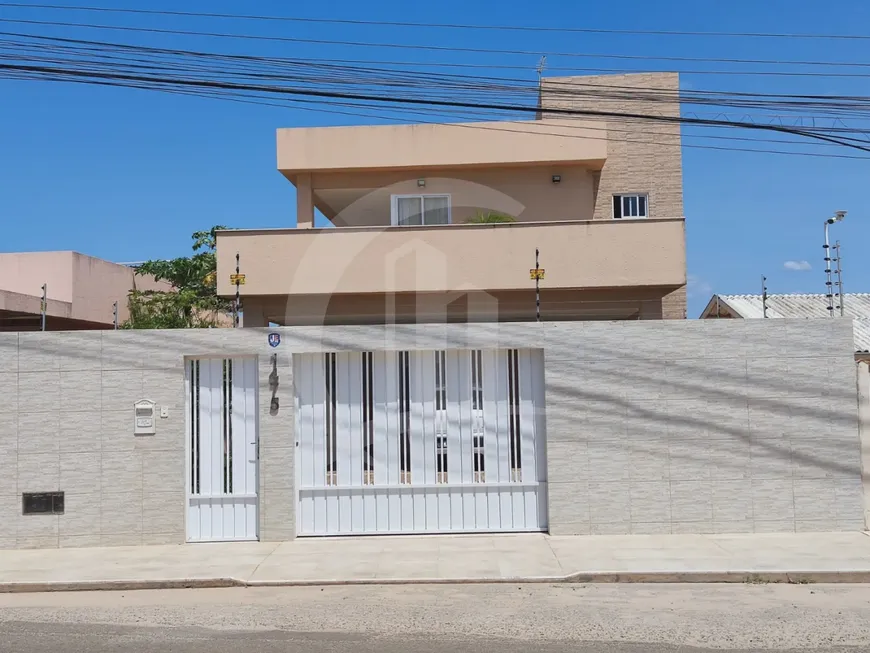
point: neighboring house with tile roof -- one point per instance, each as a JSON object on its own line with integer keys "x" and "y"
{"x": 855, "y": 306}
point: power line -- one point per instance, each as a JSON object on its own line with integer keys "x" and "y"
{"x": 571, "y": 87}
{"x": 107, "y": 59}
{"x": 319, "y": 109}
{"x": 641, "y": 57}
{"x": 437, "y": 48}
{"x": 599, "y": 92}
{"x": 501, "y": 129}
{"x": 494, "y": 127}
{"x": 585, "y": 127}
{"x": 310, "y": 92}
{"x": 513, "y": 28}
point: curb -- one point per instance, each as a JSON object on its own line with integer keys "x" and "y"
{"x": 748, "y": 577}
{"x": 119, "y": 585}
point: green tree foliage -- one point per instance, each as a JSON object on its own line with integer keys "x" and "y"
{"x": 490, "y": 217}
{"x": 193, "y": 303}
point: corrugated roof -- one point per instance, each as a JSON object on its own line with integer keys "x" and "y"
{"x": 862, "y": 334}
{"x": 750, "y": 306}
{"x": 856, "y": 305}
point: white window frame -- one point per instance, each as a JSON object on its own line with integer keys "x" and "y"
{"x": 394, "y": 206}
{"x": 622, "y": 197}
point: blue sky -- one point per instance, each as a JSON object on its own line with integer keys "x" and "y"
{"x": 127, "y": 175}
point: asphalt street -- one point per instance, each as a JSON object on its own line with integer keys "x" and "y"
{"x": 443, "y": 619}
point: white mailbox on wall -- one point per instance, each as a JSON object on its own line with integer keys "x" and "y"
{"x": 144, "y": 418}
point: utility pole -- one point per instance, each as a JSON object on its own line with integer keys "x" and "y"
{"x": 829, "y": 281}
{"x": 764, "y": 295}
{"x": 43, "y": 307}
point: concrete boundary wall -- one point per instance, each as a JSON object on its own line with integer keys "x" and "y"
{"x": 652, "y": 427}
{"x": 864, "y": 426}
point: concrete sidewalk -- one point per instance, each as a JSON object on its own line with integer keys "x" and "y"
{"x": 792, "y": 557}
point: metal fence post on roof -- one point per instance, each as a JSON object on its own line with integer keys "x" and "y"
{"x": 43, "y": 307}
{"x": 238, "y": 305}
{"x": 839, "y": 272}
{"x": 764, "y": 296}
{"x": 537, "y": 275}
{"x": 829, "y": 282}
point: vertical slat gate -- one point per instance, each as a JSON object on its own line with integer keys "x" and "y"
{"x": 538, "y": 384}
{"x": 222, "y": 453}
{"x": 465, "y": 498}
{"x": 417, "y": 440}
{"x": 503, "y": 436}
{"x": 427, "y": 436}
{"x": 423, "y": 442}
{"x": 381, "y": 438}
{"x": 495, "y": 472}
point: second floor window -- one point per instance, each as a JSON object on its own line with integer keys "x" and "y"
{"x": 630, "y": 206}
{"x": 420, "y": 209}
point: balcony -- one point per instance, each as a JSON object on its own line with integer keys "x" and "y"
{"x": 598, "y": 254}
{"x": 429, "y": 146}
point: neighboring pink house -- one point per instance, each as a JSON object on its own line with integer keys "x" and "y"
{"x": 81, "y": 291}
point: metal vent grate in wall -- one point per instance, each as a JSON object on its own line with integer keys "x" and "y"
{"x": 42, "y": 503}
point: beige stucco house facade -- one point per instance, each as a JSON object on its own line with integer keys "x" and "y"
{"x": 81, "y": 291}
{"x": 597, "y": 195}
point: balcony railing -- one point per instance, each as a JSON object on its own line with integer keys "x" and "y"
{"x": 463, "y": 257}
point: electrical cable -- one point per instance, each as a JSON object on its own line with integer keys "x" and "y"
{"x": 523, "y": 28}
{"x": 101, "y": 61}
{"x": 310, "y": 92}
{"x": 570, "y": 85}
{"x": 478, "y": 83}
{"x": 415, "y": 46}
{"x": 500, "y": 129}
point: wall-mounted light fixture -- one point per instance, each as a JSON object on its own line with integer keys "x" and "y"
{"x": 557, "y": 179}
{"x": 421, "y": 183}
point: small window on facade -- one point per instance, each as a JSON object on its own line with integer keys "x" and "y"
{"x": 42, "y": 503}
{"x": 409, "y": 210}
{"x": 630, "y": 206}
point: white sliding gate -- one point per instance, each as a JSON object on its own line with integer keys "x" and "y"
{"x": 221, "y": 449}
{"x": 420, "y": 442}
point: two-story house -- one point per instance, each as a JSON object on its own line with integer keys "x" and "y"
{"x": 147, "y": 437}
{"x": 595, "y": 198}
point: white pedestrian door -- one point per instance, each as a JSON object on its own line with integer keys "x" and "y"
{"x": 221, "y": 449}
{"x": 420, "y": 442}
